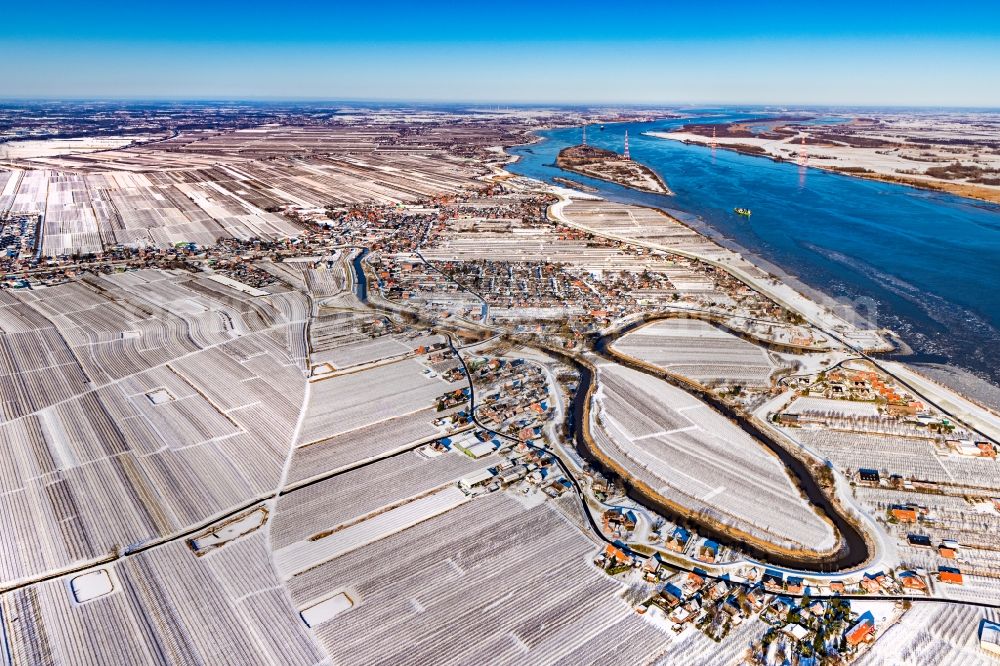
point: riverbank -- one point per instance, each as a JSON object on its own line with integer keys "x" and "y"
{"x": 849, "y": 162}
{"x": 837, "y": 320}
{"x": 853, "y": 550}
{"x": 825, "y": 235}
{"x": 573, "y": 185}
{"x": 825, "y": 315}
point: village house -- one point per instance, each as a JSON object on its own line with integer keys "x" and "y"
{"x": 684, "y": 613}
{"x": 773, "y": 581}
{"x": 671, "y": 595}
{"x": 863, "y": 630}
{"x": 874, "y": 583}
{"x": 678, "y": 539}
{"x": 779, "y": 608}
{"x": 618, "y": 520}
{"x": 708, "y": 551}
{"x": 755, "y": 597}
{"x": 732, "y": 606}
{"x": 950, "y": 575}
{"x": 717, "y": 591}
{"x": 693, "y": 583}
{"x": 989, "y": 637}
{"x": 650, "y": 568}
{"x": 911, "y": 581}
{"x": 612, "y": 557}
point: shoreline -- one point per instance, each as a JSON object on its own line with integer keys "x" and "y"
{"x": 573, "y": 185}
{"x": 955, "y": 379}
{"x": 773, "y": 271}
{"x": 667, "y": 191}
{"x": 965, "y": 383}
{"x": 940, "y": 187}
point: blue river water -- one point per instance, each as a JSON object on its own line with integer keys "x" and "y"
{"x": 924, "y": 264}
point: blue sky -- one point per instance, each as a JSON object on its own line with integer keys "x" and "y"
{"x": 756, "y": 51}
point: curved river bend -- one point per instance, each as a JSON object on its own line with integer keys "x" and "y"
{"x": 854, "y": 548}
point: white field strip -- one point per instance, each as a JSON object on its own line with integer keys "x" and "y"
{"x": 666, "y": 432}
{"x": 717, "y": 491}
{"x": 237, "y": 285}
{"x": 827, "y": 406}
{"x": 513, "y": 578}
{"x": 364, "y": 351}
{"x": 698, "y": 350}
{"x": 303, "y": 555}
{"x": 166, "y": 606}
{"x": 932, "y": 633}
{"x": 345, "y": 498}
{"x": 910, "y": 457}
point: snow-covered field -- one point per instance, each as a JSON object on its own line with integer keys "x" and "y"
{"x": 696, "y": 457}
{"x": 515, "y": 584}
{"x": 841, "y": 408}
{"x": 932, "y": 635}
{"x": 347, "y": 402}
{"x": 700, "y": 351}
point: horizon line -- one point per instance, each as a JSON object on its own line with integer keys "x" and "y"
{"x": 474, "y": 103}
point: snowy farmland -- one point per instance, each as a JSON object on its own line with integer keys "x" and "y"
{"x": 698, "y": 350}
{"x": 153, "y": 404}
{"x": 694, "y": 456}
{"x": 364, "y": 351}
{"x": 167, "y": 607}
{"x": 836, "y": 408}
{"x": 351, "y": 401}
{"x": 637, "y": 222}
{"x": 168, "y": 192}
{"x": 907, "y": 456}
{"x": 340, "y": 451}
{"x": 301, "y": 556}
{"x": 910, "y": 457}
{"x": 516, "y": 582}
{"x": 349, "y": 496}
{"x": 933, "y": 634}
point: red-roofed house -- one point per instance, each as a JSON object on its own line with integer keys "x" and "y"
{"x": 860, "y": 632}
{"x": 950, "y": 575}
{"x": 912, "y": 581}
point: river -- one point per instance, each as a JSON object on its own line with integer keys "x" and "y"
{"x": 360, "y": 279}
{"x": 924, "y": 264}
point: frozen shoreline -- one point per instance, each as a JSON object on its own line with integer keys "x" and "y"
{"x": 962, "y": 390}
{"x": 963, "y": 382}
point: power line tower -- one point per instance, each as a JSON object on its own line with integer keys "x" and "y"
{"x": 625, "y": 154}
